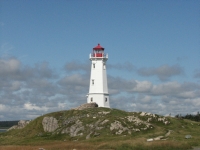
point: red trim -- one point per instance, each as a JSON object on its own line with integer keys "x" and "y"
{"x": 97, "y": 55}
{"x": 98, "y": 47}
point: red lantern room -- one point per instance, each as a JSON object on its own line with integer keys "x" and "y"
{"x": 98, "y": 51}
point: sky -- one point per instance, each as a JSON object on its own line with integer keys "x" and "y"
{"x": 153, "y": 49}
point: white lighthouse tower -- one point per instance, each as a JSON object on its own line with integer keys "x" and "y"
{"x": 98, "y": 90}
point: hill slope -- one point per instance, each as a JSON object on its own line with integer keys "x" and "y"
{"x": 103, "y": 125}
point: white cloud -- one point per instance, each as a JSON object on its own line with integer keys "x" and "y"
{"x": 162, "y": 106}
{"x": 61, "y": 105}
{"x": 133, "y": 105}
{"x": 188, "y": 94}
{"x": 8, "y": 66}
{"x": 146, "y": 99}
{"x": 166, "y": 88}
{"x": 30, "y": 106}
{"x": 196, "y": 102}
{"x": 2, "y": 108}
{"x": 127, "y": 66}
{"x": 77, "y": 66}
{"x": 27, "y": 92}
{"x": 15, "y": 85}
{"x": 163, "y": 72}
{"x": 75, "y": 79}
{"x": 143, "y": 86}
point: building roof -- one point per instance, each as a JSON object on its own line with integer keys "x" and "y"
{"x": 98, "y": 47}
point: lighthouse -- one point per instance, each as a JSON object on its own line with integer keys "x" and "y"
{"x": 98, "y": 88}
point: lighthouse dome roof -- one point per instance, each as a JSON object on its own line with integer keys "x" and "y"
{"x": 98, "y": 47}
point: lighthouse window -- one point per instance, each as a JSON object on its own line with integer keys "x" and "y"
{"x": 106, "y": 99}
{"x": 93, "y": 65}
{"x": 91, "y": 99}
{"x": 92, "y": 82}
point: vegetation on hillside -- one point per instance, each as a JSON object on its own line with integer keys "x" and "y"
{"x": 190, "y": 117}
{"x": 33, "y": 135}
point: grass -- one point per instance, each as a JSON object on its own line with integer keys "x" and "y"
{"x": 34, "y": 137}
{"x": 120, "y": 145}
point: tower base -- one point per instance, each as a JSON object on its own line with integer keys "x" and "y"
{"x": 101, "y": 99}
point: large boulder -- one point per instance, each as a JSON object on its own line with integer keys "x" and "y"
{"x": 50, "y": 124}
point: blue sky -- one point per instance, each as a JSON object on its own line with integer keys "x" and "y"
{"x": 153, "y": 47}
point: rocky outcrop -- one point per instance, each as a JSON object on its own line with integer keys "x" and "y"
{"x": 21, "y": 125}
{"x": 91, "y": 123}
{"x": 155, "y": 117}
{"x": 160, "y": 137}
{"x": 74, "y": 125}
{"x": 75, "y": 129}
{"x": 50, "y": 124}
{"x": 87, "y": 105}
{"x": 136, "y": 125}
{"x": 118, "y": 127}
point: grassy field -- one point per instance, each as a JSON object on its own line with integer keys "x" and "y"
{"x": 34, "y": 137}
{"x": 138, "y": 144}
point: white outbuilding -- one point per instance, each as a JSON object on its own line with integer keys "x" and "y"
{"x": 98, "y": 89}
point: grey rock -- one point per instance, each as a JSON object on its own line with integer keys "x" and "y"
{"x": 88, "y": 136}
{"x": 143, "y": 114}
{"x": 103, "y": 122}
{"x": 50, "y": 124}
{"x": 118, "y": 126}
{"x": 119, "y": 132}
{"x": 21, "y": 125}
{"x": 188, "y": 136}
{"x": 137, "y": 121}
{"x": 77, "y": 127}
{"x": 87, "y": 105}
{"x": 115, "y": 125}
{"x": 158, "y": 138}
{"x": 74, "y": 129}
{"x": 149, "y": 119}
{"x": 96, "y": 134}
{"x": 136, "y": 130}
{"x": 168, "y": 133}
{"x": 104, "y": 112}
{"x": 149, "y": 140}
